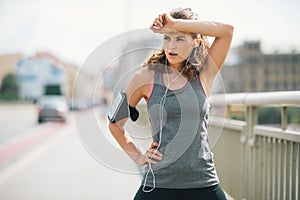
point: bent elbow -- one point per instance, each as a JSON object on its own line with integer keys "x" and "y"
{"x": 111, "y": 126}
{"x": 229, "y": 30}
{"x": 115, "y": 127}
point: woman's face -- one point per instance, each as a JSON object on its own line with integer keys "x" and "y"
{"x": 177, "y": 46}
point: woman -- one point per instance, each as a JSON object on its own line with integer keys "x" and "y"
{"x": 176, "y": 83}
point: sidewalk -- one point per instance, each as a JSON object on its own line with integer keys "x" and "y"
{"x": 61, "y": 169}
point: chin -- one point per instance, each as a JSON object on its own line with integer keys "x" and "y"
{"x": 174, "y": 62}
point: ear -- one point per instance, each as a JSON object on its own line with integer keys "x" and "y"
{"x": 197, "y": 41}
{"x": 195, "y": 44}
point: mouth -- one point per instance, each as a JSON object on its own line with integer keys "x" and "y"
{"x": 172, "y": 54}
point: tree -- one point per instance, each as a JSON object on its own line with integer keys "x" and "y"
{"x": 9, "y": 89}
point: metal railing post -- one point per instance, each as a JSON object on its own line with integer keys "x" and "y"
{"x": 283, "y": 118}
{"x": 251, "y": 120}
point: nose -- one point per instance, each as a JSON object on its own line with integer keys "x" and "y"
{"x": 171, "y": 46}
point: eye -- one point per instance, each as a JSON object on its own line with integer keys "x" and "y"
{"x": 166, "y": 38}
{"x": 180, "y": 39}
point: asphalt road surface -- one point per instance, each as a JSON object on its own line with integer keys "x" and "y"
{"x": 51, "y": 162}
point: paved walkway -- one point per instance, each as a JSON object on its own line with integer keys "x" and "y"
{"x": 61, "y": 169}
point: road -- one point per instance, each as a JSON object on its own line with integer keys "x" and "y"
{"x": 16, "y": 119}
{"x": 51, "y": 161}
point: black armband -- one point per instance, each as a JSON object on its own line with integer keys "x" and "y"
{"x": 121, "y": 109}
{"x": 134, "y": 113}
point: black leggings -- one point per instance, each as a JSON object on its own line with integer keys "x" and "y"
{"x": 210, "y": 193}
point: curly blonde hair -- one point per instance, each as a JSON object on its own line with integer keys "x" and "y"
{"x": 195, "y": 63}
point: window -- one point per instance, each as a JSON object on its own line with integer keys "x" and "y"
{"x": 253, "y": 85}
{"x": 252, "y": 60}
{"x": 266, "y": 86}
{"x": 294, "y": 59}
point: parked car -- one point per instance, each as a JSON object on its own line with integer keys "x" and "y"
{"x": 52, "y": 107}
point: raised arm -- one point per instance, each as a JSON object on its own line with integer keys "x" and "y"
{"x": 220, "y": 31}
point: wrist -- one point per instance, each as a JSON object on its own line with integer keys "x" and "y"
{"x": 177, "y": 24}
{"x": 140, "y": 159}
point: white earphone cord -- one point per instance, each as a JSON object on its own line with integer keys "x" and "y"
{"x": 161, "y": 113}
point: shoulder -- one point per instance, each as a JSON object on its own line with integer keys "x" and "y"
{"x": 144, "y": 75}
{"x": 140, "y": 85}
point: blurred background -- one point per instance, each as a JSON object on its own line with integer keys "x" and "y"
{"x": 47, "y": 81}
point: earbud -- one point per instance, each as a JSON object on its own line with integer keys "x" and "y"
{"x": 197, "y": 41}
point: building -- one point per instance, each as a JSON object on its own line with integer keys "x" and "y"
{"x": 7, "y": 64}
{"x": 34, "y": 74}
{"x": 44, "y": 68}
{"x": 253, "y": 71}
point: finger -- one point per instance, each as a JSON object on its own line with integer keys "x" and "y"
{"x": 155, "y": 152}
{"x": 153, "y": 157}
{"x": 152, "y": 162}
{"x": 156, "y": 25}
{"x": 159, "y": 22}
{"x": 151, "y": 154}
{"x": 154, "y": 145}
{"x": 162, "y": 19}
{"x": 156, "y": 30}
{"x": 152, "y": 27}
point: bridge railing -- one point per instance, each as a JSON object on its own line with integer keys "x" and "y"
{"x": 257, "y": 161}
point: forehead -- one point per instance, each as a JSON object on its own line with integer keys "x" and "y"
{"x": 171, "y": 33}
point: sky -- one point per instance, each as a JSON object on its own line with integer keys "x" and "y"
{"x": 72, "y": 29}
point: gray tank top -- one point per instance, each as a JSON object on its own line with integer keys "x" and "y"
{"x": 187, "y": 160}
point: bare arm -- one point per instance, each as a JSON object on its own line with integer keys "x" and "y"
{"x": 126, "y": 142}
{"x": 134, "y": 93}
{"x": 220, "y": 31}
